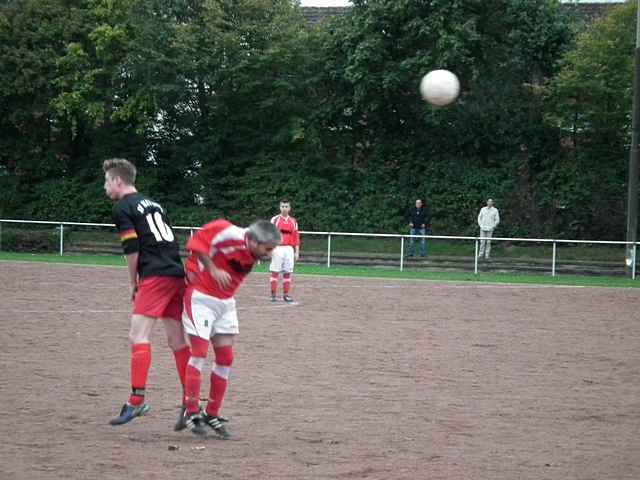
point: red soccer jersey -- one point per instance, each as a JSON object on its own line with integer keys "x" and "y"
{"x": 226, "y": 246}
{"x": 288, "y": 229}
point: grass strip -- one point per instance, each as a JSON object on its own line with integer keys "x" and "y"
{"x": 365, "y": 272}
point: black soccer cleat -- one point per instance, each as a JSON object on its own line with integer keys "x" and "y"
{"x": 129, "y": 412}
{"x": 287, "y": 299}
{"x": 196, "y": 424}
{"x": 181, "y": 423}
{"x": 273, "y": 298}
{"x": 217, "y": 425}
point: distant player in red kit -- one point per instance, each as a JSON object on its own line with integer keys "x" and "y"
{"x": 221, "y": 256}
{"x": 288, "y": 251}
{"x": 156, "y": 275}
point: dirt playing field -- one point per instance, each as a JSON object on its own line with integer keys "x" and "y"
{"x": 363, "y": 379}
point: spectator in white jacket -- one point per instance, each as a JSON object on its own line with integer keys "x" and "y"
{"x": 488, "y": 220}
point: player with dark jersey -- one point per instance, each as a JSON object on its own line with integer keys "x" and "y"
{"x": 143, "y": 228}
{"x": 156, "y": 275}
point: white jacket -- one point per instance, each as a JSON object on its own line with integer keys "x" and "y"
{"x": 488, "y": 218}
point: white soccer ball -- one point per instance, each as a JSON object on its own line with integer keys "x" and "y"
{"x": 440, "y": 87}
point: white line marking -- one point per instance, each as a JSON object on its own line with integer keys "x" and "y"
{"x": 260, "y": 307}
{"x": 448, "y": 285}
{"x": 67, "y": 311}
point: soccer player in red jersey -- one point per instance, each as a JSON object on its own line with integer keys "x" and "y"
{"x": 287, "y": 252}
{"x": 156, "y": 275}
{"x": 221, "y": 256}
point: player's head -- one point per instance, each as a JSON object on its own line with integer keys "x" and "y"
{"x": 418, "y": 203}
{"x": 119, "y": 177}
{"x": 285, "y": 207}
{"x": 489, "y": 202}
{"x": 263, "y": 237}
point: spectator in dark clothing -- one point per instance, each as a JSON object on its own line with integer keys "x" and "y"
{"x": 419, "y": 218}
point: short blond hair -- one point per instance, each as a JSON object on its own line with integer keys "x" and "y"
{"x": 119, "y": 167}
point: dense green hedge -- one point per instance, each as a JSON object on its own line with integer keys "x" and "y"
{"x": 29, "y": 240}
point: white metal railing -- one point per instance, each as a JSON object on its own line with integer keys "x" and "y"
{"x": 477, "y": 240}
{"x": 554, "y": 242}
{"x": 61, "y": 225}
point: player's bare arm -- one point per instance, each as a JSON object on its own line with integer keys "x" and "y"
{"x": 132, "y": 266}
{"x": 223, "y": 278}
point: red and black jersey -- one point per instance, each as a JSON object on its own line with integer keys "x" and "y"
{"x": 144, "y": 228}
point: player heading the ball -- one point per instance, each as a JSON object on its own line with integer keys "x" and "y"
{"x": 221, "y": 255}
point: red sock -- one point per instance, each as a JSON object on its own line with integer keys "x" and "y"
{"x": 219, "y": 379}
{"x": 216, "y": 394}
{"x": 182, "y": 359}
{"x": 286, "y": 283}
{"x": 140, "y": 363}
{"x": 274, "y": 283}
{"x": 192, "y": 389}
{"x": 193, "y": 377}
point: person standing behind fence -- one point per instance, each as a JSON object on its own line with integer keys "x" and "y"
{"x": 156, "y": 275}
{"x": 419, "y": 218}
{"x": 488, "y": 220}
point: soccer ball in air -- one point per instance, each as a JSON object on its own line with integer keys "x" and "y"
{"x": 440, "y": 87}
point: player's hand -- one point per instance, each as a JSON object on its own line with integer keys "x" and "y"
{"x": 296, "y": 255}
{"x": 134, "y": 290}
{"x": 223, "y": 278}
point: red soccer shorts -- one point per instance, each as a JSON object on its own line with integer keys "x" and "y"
{"x": 160, "y": 297}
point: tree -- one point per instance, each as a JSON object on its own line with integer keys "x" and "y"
{"x": 376, "y": 56}
{"x": 590, "y": 101}
{"x": 36, "y": 142}
{"x": 227, "y": 106}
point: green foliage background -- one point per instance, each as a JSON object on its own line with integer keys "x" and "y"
{"x": 227, "y": 106}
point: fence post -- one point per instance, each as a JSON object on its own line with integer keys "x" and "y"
{"x": 61, "y": 239}
{"x": 475, "y": 258}
{"x": 401, "y": 254}
{"x": 0, "y": 235}
{"x": 633, "y": 265}
{"x": 329, "y": 251}
{"x": 190, "y": 232}
{"x": 553, "y": 260}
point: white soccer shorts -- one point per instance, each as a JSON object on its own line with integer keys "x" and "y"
{"x": 282, "y": 259}
{"x": 205, "y": 316}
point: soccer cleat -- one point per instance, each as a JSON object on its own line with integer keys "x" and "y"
{"x": 181, "y": 424}
{"x": 129, "y": 412}
{"x": 217, "y": 424}
{"x": 273, "y": 298}
{"x": 195, "y": 423}
{"x": 287, "y": 299}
